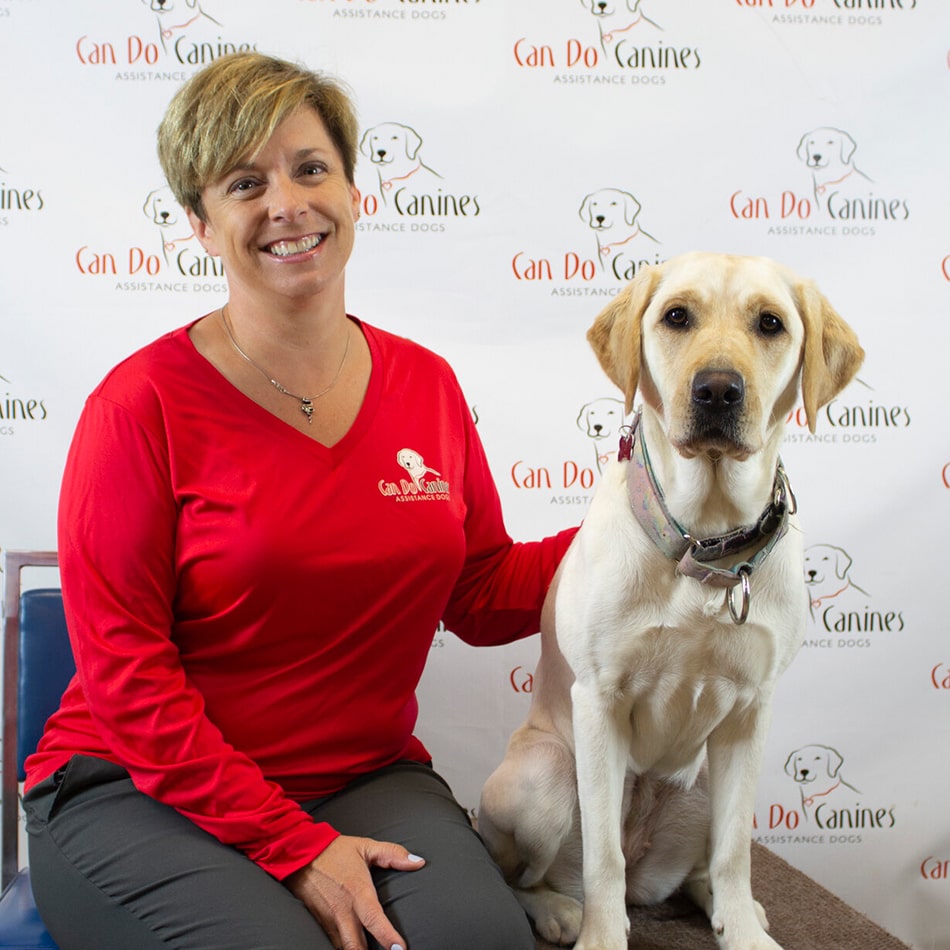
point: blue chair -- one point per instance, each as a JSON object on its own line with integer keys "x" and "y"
{"x": 37, "y": 665}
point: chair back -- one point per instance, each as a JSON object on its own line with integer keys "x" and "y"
{"x": 37, "y": 665}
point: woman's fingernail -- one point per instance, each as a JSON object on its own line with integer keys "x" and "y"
{"x": 415, "y": 859}
{"x": 396, "y": 946}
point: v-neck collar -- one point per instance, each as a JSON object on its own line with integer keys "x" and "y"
{"x": 330, "y": 454}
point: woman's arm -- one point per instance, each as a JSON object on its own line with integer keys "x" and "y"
{"x": 501, "y": 588}
{"x": 117, "y": 542}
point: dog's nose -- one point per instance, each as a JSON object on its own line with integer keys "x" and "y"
{"x": 718, "y": 390}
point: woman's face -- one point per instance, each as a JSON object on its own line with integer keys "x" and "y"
{"x": 283, "y": 222}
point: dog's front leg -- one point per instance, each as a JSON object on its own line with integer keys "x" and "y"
{"x": 735, "y": 757}
{"x": 602, "y": 744}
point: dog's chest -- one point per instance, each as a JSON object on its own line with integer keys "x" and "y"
{"x": 678, "y": 686}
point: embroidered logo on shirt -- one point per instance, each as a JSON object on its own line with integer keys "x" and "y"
{"x": 417, "y": 487}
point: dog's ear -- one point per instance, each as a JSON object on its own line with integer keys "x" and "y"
{"x": 582, "y": 211}
{"x": 834, "y": 762}
{"x": 843, "y": 562}
{"x": 848, "y": 146}
{"x": 802, "y": 150}
{"x": 615, "y": 333}
{"x": 582, "y": 417}
{"x": 631, "y": 208}
{"x": 413, "y": 142}
{"x": 832, "y": 352}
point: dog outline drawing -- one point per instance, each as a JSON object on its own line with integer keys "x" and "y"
{"x": 165, "y": 213}
{"x": 816, "y": 769}
{"x": 613, "y": 215}
{"x": 601, "y": 420}
{"x": 827, "y": 574}
{"x": 395, "y": 152}
{"x": 828, "y": 153}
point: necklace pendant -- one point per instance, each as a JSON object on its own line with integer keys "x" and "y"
{"x": 306, "y": 407}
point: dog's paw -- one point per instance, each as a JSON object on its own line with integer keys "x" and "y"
{"x": 609, "y": 935}
{"x": 557, "y": 917}
{"x": 736, "y": 937}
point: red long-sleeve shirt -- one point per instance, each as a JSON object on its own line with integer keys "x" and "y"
{"x": 250, "y": 611}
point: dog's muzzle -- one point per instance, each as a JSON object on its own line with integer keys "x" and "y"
{"x": 717, "y": 399}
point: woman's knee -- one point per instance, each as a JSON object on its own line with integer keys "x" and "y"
{"x": 113, "y": 868}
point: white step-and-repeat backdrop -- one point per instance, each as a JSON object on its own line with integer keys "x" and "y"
{"x": 813, "y": 131}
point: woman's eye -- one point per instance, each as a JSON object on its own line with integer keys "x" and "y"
{"x": 677, "y": 318}
{"x": 242, "y": 185}
{"x": 770, "y": 324}
{"x": 314, "y": 168}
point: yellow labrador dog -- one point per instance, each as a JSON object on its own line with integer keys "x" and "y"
{"x": 675, "y": 610}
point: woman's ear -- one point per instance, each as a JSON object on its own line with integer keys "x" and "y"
{"x": 204, "y": 232}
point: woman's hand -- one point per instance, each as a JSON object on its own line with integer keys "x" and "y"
{"x": 337, "y": 889}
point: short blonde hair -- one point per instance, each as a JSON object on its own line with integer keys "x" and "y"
{"x": 226, "y": 113}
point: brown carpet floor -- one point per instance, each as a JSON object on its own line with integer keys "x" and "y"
{"x": 802, "y": 916}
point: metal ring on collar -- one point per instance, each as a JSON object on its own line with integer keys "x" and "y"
{"x": 740, "y": 616}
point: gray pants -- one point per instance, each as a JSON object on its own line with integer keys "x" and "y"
{"x": 113, "y": 869}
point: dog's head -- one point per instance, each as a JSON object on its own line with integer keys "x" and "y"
{"x": 410, "y": 460}
{"x": 813, "y": 762}
{"x": 824, "y": 562}
{"x": 161, "y": 208}
{"x": 608, "y": 208}
{"x": 826, "y": 146}
{"x": 390, "y": 142}
{"x": 601, "y": 418}
{"x": 719, "y": 345}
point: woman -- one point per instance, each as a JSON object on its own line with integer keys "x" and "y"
{"x": 252, "y": 584}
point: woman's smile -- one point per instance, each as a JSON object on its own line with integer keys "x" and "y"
{"x": 287, "y": 248}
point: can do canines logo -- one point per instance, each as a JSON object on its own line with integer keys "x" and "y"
{"x": 571, "y": 481}
{"x": 402, "y": 190}
{"x": 843, "y": 612}
{"x": 829, "y": 808}
{"x": 613, "y": 242}
{"x": 164, "y": 254}
{"x": 620, "y": 42}
{"x": 165, "y": 33}
{"x": 859, "y": 416}
{"x": 833, "y": 194}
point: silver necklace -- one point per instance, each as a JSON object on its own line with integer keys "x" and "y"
{"x": 306, "y": 402}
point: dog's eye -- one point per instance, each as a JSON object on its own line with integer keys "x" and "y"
{"x": 770, "y": 325}
{"x": 677, "y": 318}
